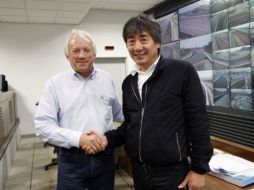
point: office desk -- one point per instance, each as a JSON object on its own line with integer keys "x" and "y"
{"x": 214, "y": 183}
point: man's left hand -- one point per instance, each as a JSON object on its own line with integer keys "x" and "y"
{"x": 194, "y": 181}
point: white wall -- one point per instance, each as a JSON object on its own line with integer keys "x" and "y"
{"x": 31, "y": 53}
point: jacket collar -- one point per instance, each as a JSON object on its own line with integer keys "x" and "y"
{"x": 136, "y": 68}
{"x": 159, "y": 67}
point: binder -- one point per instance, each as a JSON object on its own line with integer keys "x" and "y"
{"x": 232, "y": 168}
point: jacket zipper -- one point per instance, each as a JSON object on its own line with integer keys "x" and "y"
{"x": 178, "y": 146}
{"x": 141, "y": 119}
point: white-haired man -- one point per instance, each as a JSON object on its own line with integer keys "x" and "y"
{"x": 72, "y": 107}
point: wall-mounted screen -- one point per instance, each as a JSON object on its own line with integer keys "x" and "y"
{"x": 198, "y": 52}
{"x": 252, "y": 10}
{"x": 239, "y": 36}
{"x": 219, "y": 21}
{"x": 220, "y": 59}
{"x": 239, "y": 57}
{"x": 218, "y": 5}
{"x": 240, "y": 78}
{"x": 220, "y": 40}
{"x": 239, "y": 14}
{"x": 221, "y": 97}
{"x": 241, "y": 99}
{"x": 194, "y": 19}
{"x": 169, "y": 28}
{"x": 217, "y": 37}
{"x": 171, "y": 50}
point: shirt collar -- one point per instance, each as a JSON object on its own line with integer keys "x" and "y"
{"x": 136, "y": 68}
{"x": 91, "y": 76}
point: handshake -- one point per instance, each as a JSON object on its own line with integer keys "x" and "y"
{"x": 92, "y": 142}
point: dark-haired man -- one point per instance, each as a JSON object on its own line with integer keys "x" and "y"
{"x": 166, "y": 131}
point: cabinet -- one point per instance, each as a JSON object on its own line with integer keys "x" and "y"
{"x": 9, "y": 133}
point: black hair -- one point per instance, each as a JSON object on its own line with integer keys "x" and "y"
{"x": 140, "y": 24}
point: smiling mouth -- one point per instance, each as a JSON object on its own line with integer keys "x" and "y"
{"x": 139, "y": 55}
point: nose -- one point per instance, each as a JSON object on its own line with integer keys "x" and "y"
{"x": 138, "y": 45}
{"x": 82, "y": 54}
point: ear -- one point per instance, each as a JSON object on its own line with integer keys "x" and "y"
{"x": 158, "y": 45}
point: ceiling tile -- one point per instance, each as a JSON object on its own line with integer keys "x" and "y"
{"x": 100, "y": 1}
{"x": 12, "y": 3}
{"x": 14, "y": 12}
{"x": 154, "y": 2}
{"x": 49, "y": 20}
{"x": 138, "y": 7}
{"x": 98, "y": 5}
{"x": 120, "y": 1}
{"x": 43, "y": 0}
{"x": 20, "y": 19}
{"x": 68, "y": 20}
{"x": 116, "y": 6}
{"x": 75, "y": 1}
{"x": 31, "y": 4}
{"x": 65, "y": 11}
{"x": 74, "y": 6}
{"x": 41, "y": 13}
{"x": 70, "y": 14}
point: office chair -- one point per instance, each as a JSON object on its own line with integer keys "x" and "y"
{"x": 55, "y": 151}
{"x": 54, "y": 160}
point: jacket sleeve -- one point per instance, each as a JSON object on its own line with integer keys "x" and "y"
{"x": 196, "y": 120}
{"x": 117, "y": 136}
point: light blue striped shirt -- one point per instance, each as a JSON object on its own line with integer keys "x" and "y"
{"x": 70, "y": 105}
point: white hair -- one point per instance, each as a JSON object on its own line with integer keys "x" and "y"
{"x": 83, "y": 35}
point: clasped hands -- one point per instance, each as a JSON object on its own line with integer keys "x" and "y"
{"x": 92, "y": 142}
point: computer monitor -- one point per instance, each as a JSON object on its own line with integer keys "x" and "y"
{"x": 3, "y": 83}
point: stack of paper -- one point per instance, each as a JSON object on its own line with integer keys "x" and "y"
{"x": 232, "y": 169}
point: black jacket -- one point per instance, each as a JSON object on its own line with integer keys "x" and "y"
{"x": 170, "y": 123}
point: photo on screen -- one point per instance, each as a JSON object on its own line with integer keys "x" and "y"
{"x": 252, "y": 57}
{"x": 206, "y": 78}
{"x": 220, "y": 40}
{"x": 169, "y": 28}
{"x": 239, "y": 57}
{"x": 221, "y": 79}
{"x": 252, "y": 76}
{"x": 221, "y": 59}
{"x": 219, "y": 21}
{"x": 221, "y": 97}
{"x": 252, "y": 100}
{"x": 239, "y": 14}
{"x": 241, "y": 99}
{"x": 240, "y": 78}
{"x": 251, "y": 10}
{"x": 252, "y": 43}
{"x": 197, "y": 51}
{"x": 235, "y": 2}
{"x": 218, "y": 5}
{"x": 171, "y": 50}
{"x": 194, "y": 19}
{"x": 252, "y": 33}
{"x": 239, "y": 36}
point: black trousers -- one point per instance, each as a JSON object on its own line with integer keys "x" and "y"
{"x": 148, "y": 177}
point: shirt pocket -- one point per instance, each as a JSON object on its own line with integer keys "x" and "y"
{"x": 107, "y": 102}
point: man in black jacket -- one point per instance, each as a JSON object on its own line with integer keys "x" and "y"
{"x": 165, "y": 132}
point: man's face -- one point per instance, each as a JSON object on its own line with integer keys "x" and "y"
{"x": 81, "y": 56}
{"x": 143, "y": 49}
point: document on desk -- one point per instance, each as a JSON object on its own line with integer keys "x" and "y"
{"x": 233, "y": 169}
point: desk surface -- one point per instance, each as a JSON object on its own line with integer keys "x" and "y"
{"x": 214, "y": 183}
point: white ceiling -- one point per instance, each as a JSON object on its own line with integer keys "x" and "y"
{"x": 64, "y": 11}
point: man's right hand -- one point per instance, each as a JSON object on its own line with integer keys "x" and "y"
{"x": 92, "y": 142}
